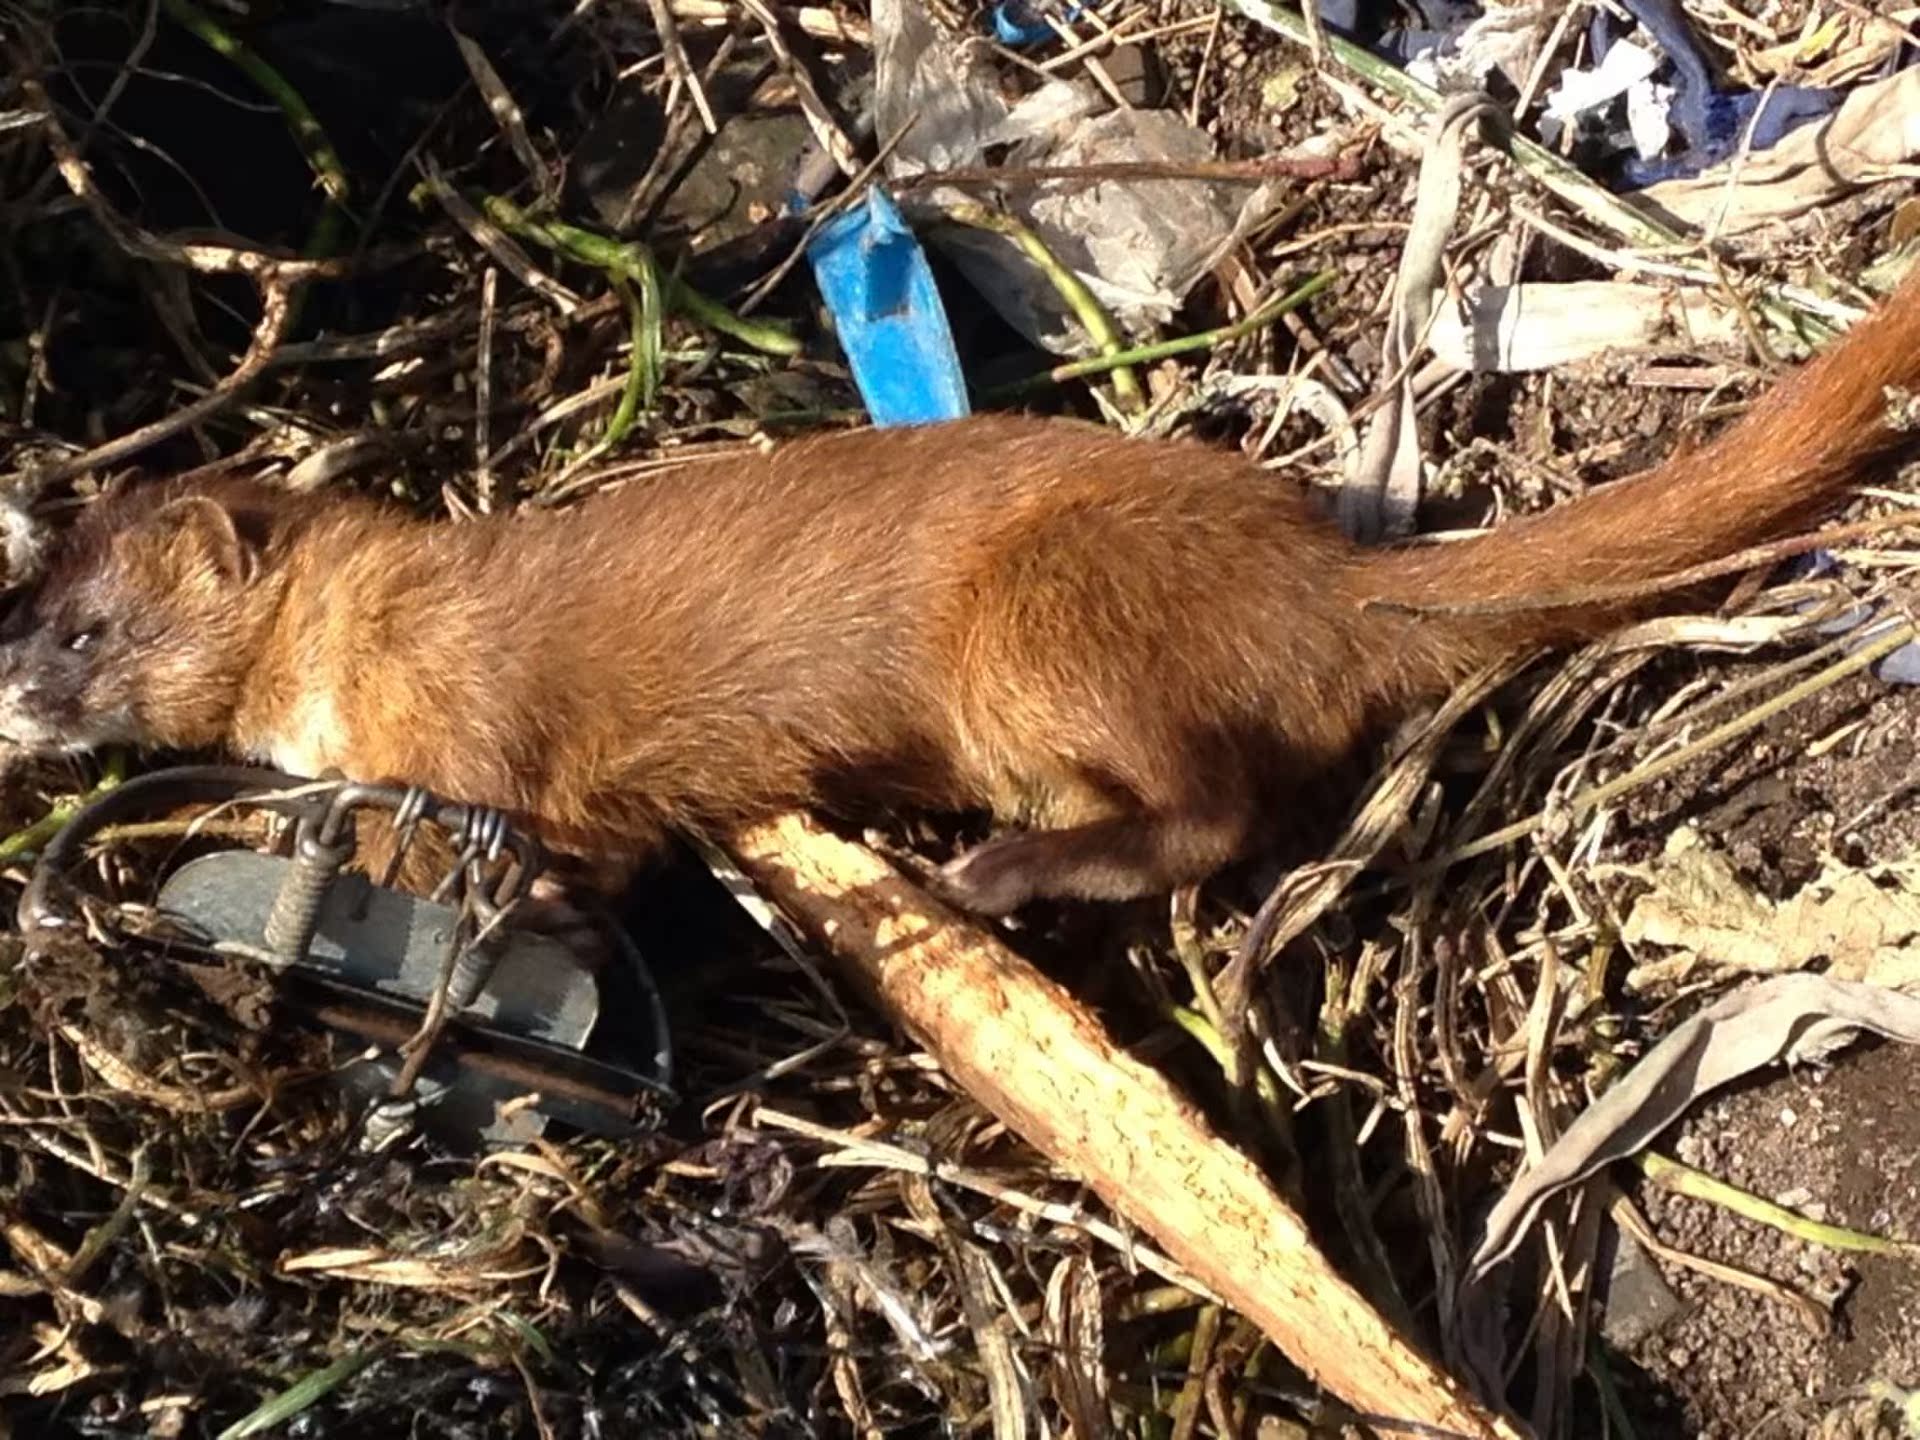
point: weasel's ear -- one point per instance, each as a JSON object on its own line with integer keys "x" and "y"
{"x": 201, "y": 532}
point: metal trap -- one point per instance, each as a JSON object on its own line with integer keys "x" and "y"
{"x": 472, "y": 1025}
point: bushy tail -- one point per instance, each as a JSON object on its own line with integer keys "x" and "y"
{"x": 1789, "y": 458}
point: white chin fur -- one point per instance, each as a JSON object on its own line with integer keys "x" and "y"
{"x": 27, "y": 735}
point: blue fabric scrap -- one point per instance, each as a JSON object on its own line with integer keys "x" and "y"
{"x": 1710, "y": 119}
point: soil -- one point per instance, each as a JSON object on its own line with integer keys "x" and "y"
{"x": 1834, "y": 775}
{"x": 1842, "y": 1146}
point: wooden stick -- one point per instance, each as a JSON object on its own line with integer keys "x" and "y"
{"x": 1039, "y": 1060}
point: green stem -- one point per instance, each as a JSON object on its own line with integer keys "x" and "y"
{"x": 643, "y": 370}
{"x": 1179, "y": 345}
{"x": 301, "y": 1395}
{"x": 632, "y": 261}
{"x": 28, "y": 841}
{"x": 308, "y": 133}
{"x": 1195, "y": 1024}
{"x": 1085, "y": 305}
{"x": 1685, "y": 1180}
{"x": 762, "y": 335}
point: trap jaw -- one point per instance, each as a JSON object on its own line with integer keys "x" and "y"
{"x": 475, "y": 1027}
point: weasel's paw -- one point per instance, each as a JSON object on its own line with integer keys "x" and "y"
{"x": 548, "y": 912}
{"x": 991, "y": 879}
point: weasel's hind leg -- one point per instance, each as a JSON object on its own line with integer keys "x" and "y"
{"x": 1123, "y": 857}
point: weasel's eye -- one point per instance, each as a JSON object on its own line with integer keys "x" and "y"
{"x": 81, "y": 640}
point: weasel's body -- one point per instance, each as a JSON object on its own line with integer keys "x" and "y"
{"x": 1138, "y": 650}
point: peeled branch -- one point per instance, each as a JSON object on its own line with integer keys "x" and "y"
{"x": 1023, "y": 1047}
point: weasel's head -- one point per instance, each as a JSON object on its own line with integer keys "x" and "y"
{"x": 142, "y": 626}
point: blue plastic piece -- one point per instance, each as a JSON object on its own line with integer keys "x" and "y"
{"x": 1902, "y": 667}
{"x": 1020, "y": 22}
{"x": 888, "y": 315}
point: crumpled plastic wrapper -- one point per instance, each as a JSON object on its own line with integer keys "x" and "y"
{"x": 1504, "y": 39}
{"x": 1140, "y": 246}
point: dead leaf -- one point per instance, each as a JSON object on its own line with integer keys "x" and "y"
{"x": 1864, "y": 923}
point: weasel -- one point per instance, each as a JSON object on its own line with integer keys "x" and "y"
{"x": 1136, "y": 652}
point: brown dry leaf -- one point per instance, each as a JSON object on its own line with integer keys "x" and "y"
{"x": 406, "y": 1272}
{"x": 1831, "y": 51}
{"x": 1864, "y": 923}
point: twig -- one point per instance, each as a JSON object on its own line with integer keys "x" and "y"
{"x": 1813, "y": 1316}
{"x": 1186, "y": 1405}
{"x": 827, "y": 132}
{"x": 205, "y": 256}
{"x": 102, "y": 1236}
{"x": 1238, "y": 172}
{"x": 1041, "y": 1062}
{"x": 818, "y": 21}
{"x": 491, "y": 234}
{"x": 123, "y": 76}
{"x": 1304, "y": 895}
{"x": 276, "y": 307}
{"x": 867, "y": 1151}
{"x": 483, "y": 391}
{"x": 680, "y": 69}
{"x": 853, "y": 191}
{"x": 501, "y": 105}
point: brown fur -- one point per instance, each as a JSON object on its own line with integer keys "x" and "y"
{"x": 1138, "y": 650}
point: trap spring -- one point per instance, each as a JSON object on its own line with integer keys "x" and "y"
{"x": 472, "y": 1025}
